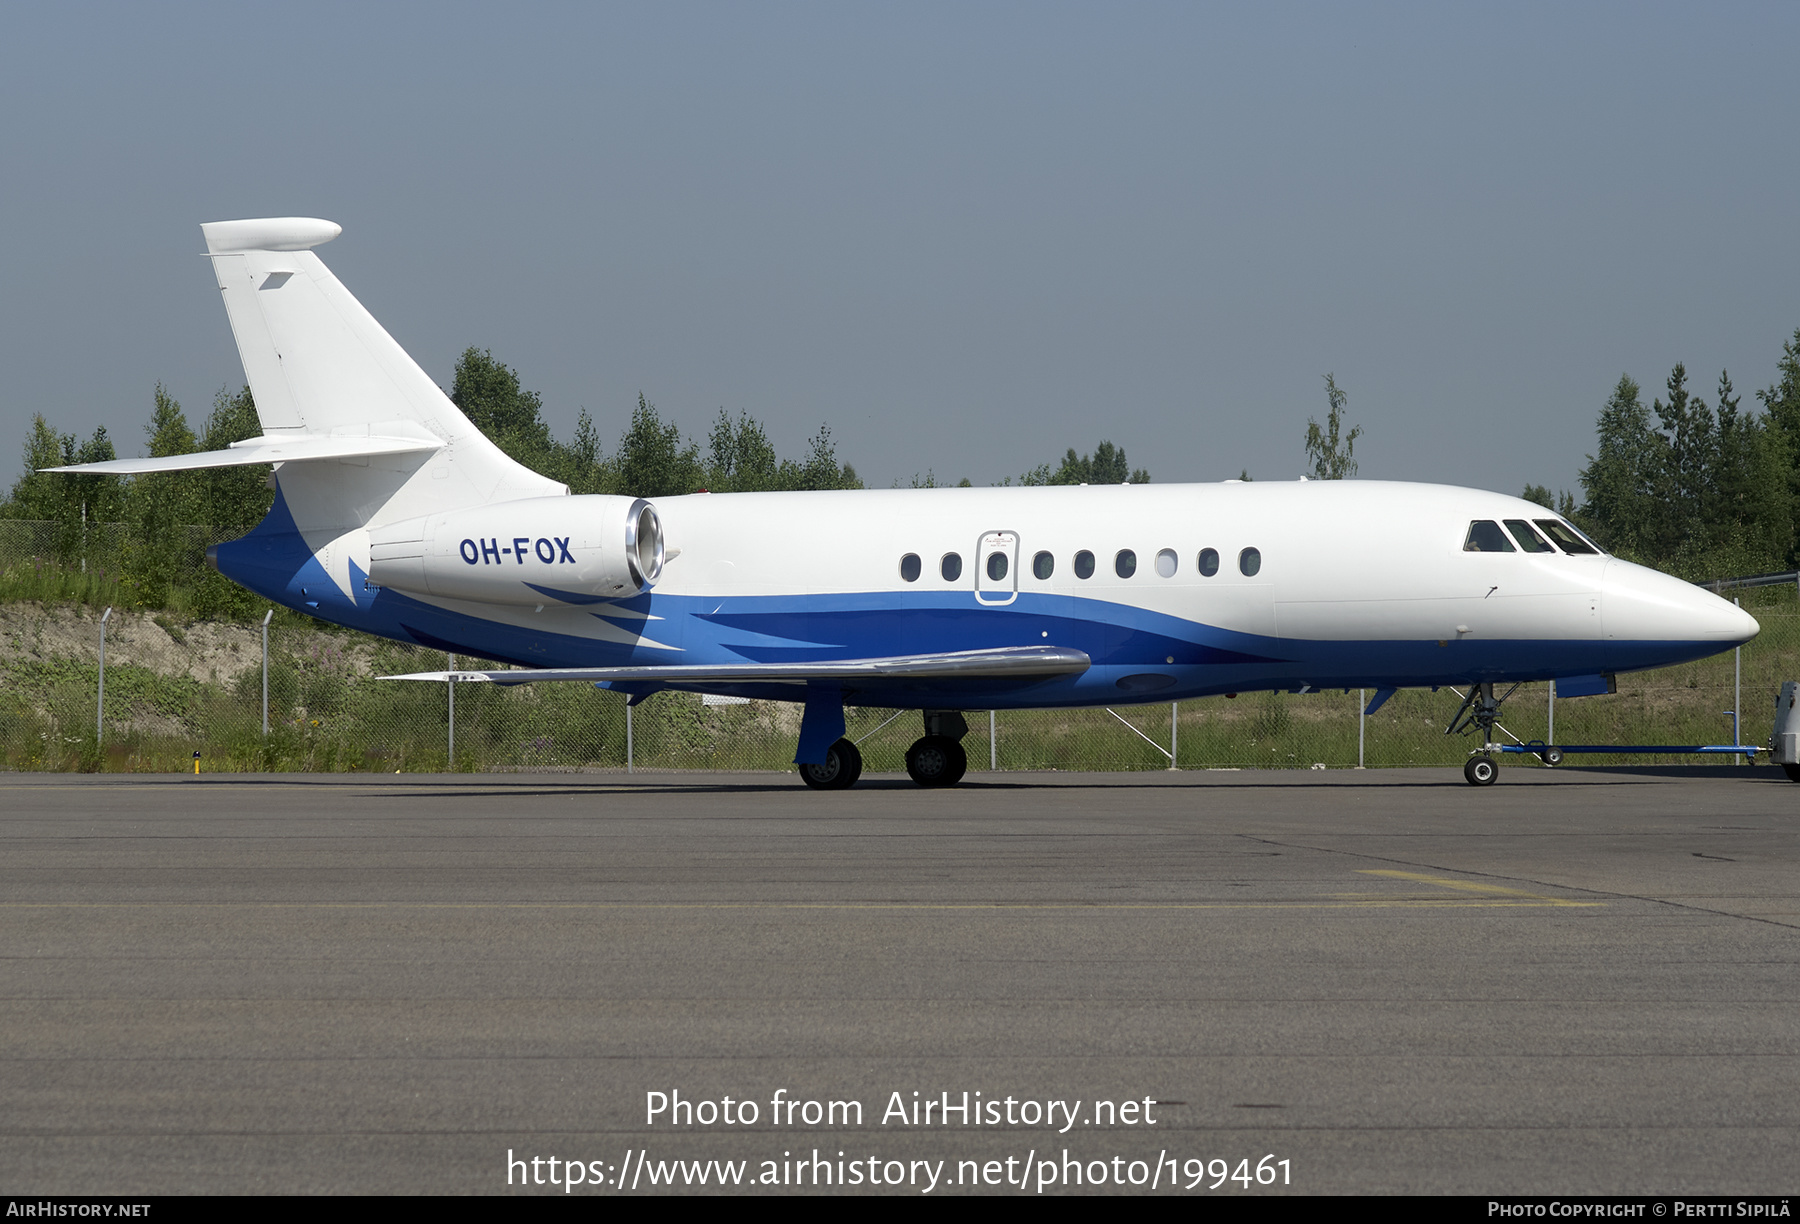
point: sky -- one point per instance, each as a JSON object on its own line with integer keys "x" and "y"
{"x": 965, "y": 236}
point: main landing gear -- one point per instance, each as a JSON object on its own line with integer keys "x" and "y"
{"x": 839, "y": 771}
{"x": 1480, "y": 712}
{"x": 937, "y": 758}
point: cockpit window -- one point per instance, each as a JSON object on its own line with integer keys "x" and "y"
{"x": 1566, "y": 537}
{"x": 1485, "y": 536}
{"x": 1528, "y": 539}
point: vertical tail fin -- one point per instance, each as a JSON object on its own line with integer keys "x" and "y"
{"x": 318, "y": 364}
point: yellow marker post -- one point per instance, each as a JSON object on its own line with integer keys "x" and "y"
{"x": 196, "y": 762}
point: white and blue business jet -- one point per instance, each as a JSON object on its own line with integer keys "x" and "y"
{"x": 396, "y": 516}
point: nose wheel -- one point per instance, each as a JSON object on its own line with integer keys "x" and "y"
{"x": 1481, "y": 712}
{"x": 1480, "y": 770}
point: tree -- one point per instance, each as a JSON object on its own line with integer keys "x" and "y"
{"x": 490, "y": 395}
{"x": 233, "y": 499}
{"x": 741, "y": 459}
{"x": 1684, "y": 502}
{"x": 1781, "y": 403}
{"x": 1107, "y": 465}
{"x": 581, "y": 465}
{"x": 160, "y": 504}
{"x": 1782, "y": 400}
{"x": 1331, "y": 452}
{"x": 653, "y": 461}
{"x": 1751, "y": 525}
{"x": 232, "y": 496}
{"x": 1620, "y": 480}
{"x": 821, "y": 470}
{"x": 70, "y": 502}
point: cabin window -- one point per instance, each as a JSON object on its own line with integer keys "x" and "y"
{"x": 1528, "y": 539}
{"x": 910, "y": 567}
{"x": 951, "y": 567}
{"x": 1209, "y": 562}
{"x": 1165, "y": 563}
{"x": 1250, "y": 562}
{"x": 996, "y": 566}
{"x": 1566, "y": 537}
{"x": 1125, "y": 564}
{"x": 1084, "y": 564}
{"x": 1043, "y": 565}
{"x": 1485, "y": 536}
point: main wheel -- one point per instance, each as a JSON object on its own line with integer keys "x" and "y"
{"x": 936, "y": 760}
{"x": 840, "y": 770}
{"x": 1792, "y": 771}
{"x": 1480, "y": 770}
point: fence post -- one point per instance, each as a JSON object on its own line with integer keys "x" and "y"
{"x": 1174, "y": 723}
{"x": 1550, "y": 731}
{"x": 451, "y": 687}
{"x": 993, "y": 746}
{"x": 628, "y": 765}
{"x": 1737, "y": 696}
{"x": 1362, "y": 720}
{"x": 100, "y": 697}
{"x": 267, "y": 616}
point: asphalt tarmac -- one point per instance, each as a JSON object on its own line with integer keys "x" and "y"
{"x": 1576, "y": 981}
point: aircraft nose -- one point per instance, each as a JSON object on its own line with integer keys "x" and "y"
{"x": 1643, "y": 605}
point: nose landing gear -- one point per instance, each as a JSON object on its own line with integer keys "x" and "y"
{"x": 1480, "y": 711}
{"x": 1480, "y": 770}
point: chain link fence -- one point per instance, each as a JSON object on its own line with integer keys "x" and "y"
{"x": 175, "y": 689}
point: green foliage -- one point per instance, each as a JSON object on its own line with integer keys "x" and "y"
{"x": 1701, "y": 495}
{"x": 741, "y": 459}
{"x": 160, "y": 503}
{"x": 49, "y": 580}
{"x": 1107, "y": 465}
{"x": 232, "y": 496}
{"x": 653, "y": 459}
{"x": 580, "y": 465}
{"x": 489, "y": 394}
{"x": 235, "y": 498}
{"x": 1332, "y": 452}
{"x": 71, "y": 502}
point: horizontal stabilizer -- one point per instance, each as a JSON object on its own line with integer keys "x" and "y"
{"x": 267, "y": 449}
{"x": 1012, "y": 661}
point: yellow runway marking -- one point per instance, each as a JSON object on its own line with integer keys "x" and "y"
{"x": 1490, "y": 890}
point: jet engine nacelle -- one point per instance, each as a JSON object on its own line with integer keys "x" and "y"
{"x": 540, "y": 549}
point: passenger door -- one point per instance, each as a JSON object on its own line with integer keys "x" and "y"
{"x": 997, "y": 568}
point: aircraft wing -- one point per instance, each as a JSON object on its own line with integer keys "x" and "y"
{"x": 1004, "y": 662}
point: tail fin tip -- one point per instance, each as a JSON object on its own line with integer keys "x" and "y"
{"x": 268, "y": 234}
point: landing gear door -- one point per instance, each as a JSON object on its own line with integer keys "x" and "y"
{"x": 997, "y": 568}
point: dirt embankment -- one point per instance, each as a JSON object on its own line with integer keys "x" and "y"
{"x": 205, "y": 650}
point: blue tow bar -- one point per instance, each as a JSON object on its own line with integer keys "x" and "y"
{"x": 1540, "y": 749}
